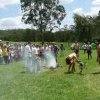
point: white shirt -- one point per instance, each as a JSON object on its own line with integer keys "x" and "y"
{"x": 28, "y": 51}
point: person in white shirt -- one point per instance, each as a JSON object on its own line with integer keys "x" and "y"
{"x": 28, "y": 57}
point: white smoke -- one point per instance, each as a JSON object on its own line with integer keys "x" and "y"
{"x": 50, "y": 59}
{"x": 35, "y": 64}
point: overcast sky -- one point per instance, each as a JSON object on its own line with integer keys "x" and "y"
{"x": 10, "y": 12}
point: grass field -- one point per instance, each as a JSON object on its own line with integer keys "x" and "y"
{"x": 16, "y": 84}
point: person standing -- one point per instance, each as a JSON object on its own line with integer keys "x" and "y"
{"x": 89, "y": 50}
{"x": 84, "y": 47}
{"x": 1, "y": 58}
{"x": 62, "y": 48}
{"x": 76, "y": 48}
{"x": 28, "y": 57}
{"x": 55, "y": 49}
{"x": 5, "y": 54}
{"x": 98, "y": 53}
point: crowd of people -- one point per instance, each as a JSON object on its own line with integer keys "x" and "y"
{"x": 74, "y": 57}
{"x": 43, "y": 55}
{"x": 32, "y": 54}
{"x": 37, "y": 57}
{"x": 10, "y": 52}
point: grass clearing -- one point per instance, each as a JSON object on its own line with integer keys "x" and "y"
{"x": 16, "y": 84}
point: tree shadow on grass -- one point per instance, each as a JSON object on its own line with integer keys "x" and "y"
{"x": 77, "y": 73}
{"x": 96, "y": 73}
{"x": 23, "y": 72}
{"x": 68, "y": 73}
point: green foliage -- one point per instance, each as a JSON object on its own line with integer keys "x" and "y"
{"x": 83, "y": 27}
{"x": 87, "y": 26}
{"x": 42, "y": 13}
{"x": 96, "y": 23}
{"x": 35, "y": 35}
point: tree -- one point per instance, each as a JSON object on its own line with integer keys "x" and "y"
{"x": 42, "y": 14}
{"x": 83, "y": 27}
{"x": 97, "y": 24}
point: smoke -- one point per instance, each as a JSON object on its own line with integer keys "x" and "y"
{"x": 35, "y": 64}
{"x": 50, "y": 59}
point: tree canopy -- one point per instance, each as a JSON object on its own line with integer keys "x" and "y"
{"x": 42, "y": 14}
{"x": 87, "y": 27}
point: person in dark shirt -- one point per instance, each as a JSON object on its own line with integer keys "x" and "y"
{"x": 76, "y": 48}
{"x": 62, "y": 48}
{"x": 55, "y": 49}
{"x": 89, "y": 50}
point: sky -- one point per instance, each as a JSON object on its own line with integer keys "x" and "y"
{"x": 10, "y": 12}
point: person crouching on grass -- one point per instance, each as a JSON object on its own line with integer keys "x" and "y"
{"x": 70, "y": 60}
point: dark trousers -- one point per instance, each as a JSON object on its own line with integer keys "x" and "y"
{"x": 1, "y": 60}
{"x": 89, "y": 54}
{"x": 6, "y": 59}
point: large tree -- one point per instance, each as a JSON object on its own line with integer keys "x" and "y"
{"x": 42, "y": 14}
{"x": 97, "y": 24}
{"x": 83, "y": 27}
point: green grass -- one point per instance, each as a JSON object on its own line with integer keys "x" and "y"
{"x": 16, "y": 84}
